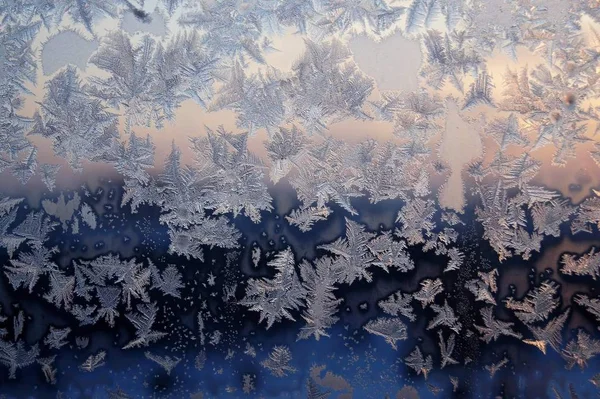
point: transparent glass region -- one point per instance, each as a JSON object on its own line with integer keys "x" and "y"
{"x": 299, "y": 199}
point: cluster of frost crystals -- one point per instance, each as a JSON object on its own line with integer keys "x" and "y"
{"x": 537, "y": 305}
{"x": 80, "y": 126}
{"x": 449, "y": 57}
{"x": 332, "y": 170}
{"x": 581, "y": 349}
{"x": 351, "y": 259}
{"x": 493, "y": 328}
{"x": 216, "y": 56}
{"x": 504, "y": 216}
{"x": 278, "y": 362}
{"x": 419, "y": 363}
{"x": 17, "y": 68}
{"x": 446, "y": 349}
{"x": 232, "y": 175}
{"x": 258, "y": 100}
{"x": 286, "y": 149}
{"x": 429, "y": 290}
{"x": 225, "y": 178}
{"x": 485, "y": 287}
{"x": 149, "y": 80}
{"x": 592, "y": 305}
{"x": 324, "y": 89}
{"x": 353, "y": 256}
{"x": 275, "y": 298}
{"x": 397, "y": 304}
{"x": 15, "y": 353}
{"x": 392, "y": 329}
{"x": 585, "y": 265}
{"x": 146, "y": 79}
{"x": 321, "y": 302}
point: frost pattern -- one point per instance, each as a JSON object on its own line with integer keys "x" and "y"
{"x": 275, "y": 298}
{"x": 392, "y": 329}
{"x": 278, "y": 362}
{"x": 221, "y": 58}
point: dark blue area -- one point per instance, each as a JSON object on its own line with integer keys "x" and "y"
{"x": 366, "y": 362}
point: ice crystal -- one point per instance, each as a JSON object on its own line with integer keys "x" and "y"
{"x": 418, "y": 362}
{"x": 585, "y": 265}
{"x": 306, "y": 218}
{"x": 390, "y": 253}
{"x": 551, "y": 333}
{"x": 143, "y": 321}
{"x": 445, "y": 317}
{"x": 200, "y": 360}
{"x": 580, "y": 350}
{"x": 494, "y": 367}
{"x": 132, "y": 277}
{"x": 278, "y": 362}
{"x": 109, "y": 300}
{"x": 275, "y": 298}
{"x": 129, "y": 85}
{"x": 446, "y": 349}
{"x": 507, "y": 132}
{"x": 56, "y": 337}
{"x": 592, "y": 305}
{"x": 493, "y": 328}
{"x": 324, "y": 88}
{"x": 429, "y": 290}
{"x": 285, "y": 149}
{"x": 416, "y": 220}
{"x": 588, "y": 215}
{"x": 484, "y": 287}
{"x": 166, "y": 362}
{"x": 257, "y": 99}
{"x": 480, "y": 91}
{"x": 353, "y": 256}
{"x": 80, "y": 126}
{"x": 224, "y": 160}
{"x": 547, "y": 217}
{"x": 133, "y": 158}
{"x": 169, "y": 282}
{"x": 248, "y": 384}
{"x": 537, "y": 305}
{"x": 30, "y": 266}
{"x": 18, "y": 325}
{"x": 314, "y": 391}
{"x": 392, "y": 329}
{"x": 448, "y": 58}
{"x": 14, "y": 356}
{"x": 397, "y": 304}
{"x": 34, "y": 229}
{"x": 93, "y": 362}
{"x": 10, "y": 241}
{"x": 319, "y": 280}
{"x": 47, "y": 368}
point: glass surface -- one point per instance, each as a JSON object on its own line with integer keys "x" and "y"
{"x": 299, "y": 199}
